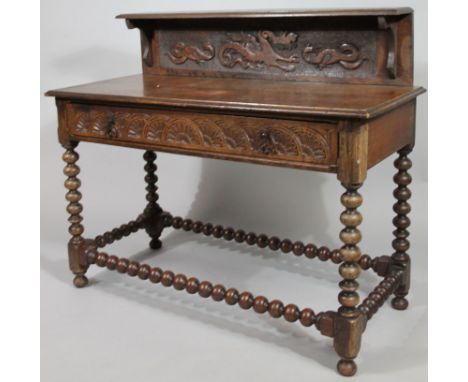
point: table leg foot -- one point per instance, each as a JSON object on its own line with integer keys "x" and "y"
{"x": 155, "y": 243}
{"x": 80, "y": 281}
{"x": 346, "y": 367}
{"x": 399, "y": 303}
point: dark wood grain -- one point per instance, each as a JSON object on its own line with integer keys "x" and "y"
{"x": 205, "y": 289}
{"x": 401, "y": 259}
{"x": 365, "y": 46}
{"x": 324, "y": 90}
{"x": 391, "y": 132}
{"x": 77, "y": 244}
{"x": 375, "y": 300}
{"x": 258, "y": 139}
{"x": 241, "y": 96}
{"x": 350, "y": 322}
{"x": 353, "y": 148}
{"x": 268, "y": 13}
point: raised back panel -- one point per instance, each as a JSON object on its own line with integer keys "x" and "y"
{"x": 352, "y": 48}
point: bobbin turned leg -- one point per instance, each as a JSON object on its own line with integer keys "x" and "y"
{"x": 401, "y": 244}
{"x": 76, "y": 245}
{"x": 349, "y": 322}
{"x": 153, "y": 212}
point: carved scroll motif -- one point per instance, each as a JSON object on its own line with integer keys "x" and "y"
{"x": 245, "y": 137}
{"x": 254, "y": 51}
{"x": 181, "y": 53}
{"x": 347, "y": 55}
{"x": 260, "y": 49}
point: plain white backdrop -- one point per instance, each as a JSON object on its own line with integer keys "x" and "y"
{"x": 120, "y": 328}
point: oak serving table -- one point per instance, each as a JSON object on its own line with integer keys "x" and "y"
{"x": 326, "y": 90}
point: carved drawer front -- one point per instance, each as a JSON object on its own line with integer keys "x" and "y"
{"x": 226, "y": 136}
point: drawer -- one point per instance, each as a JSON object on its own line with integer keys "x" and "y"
{"x": 293, "y": 143}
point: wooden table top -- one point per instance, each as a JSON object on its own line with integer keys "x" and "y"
{"x": 246, "y": 95}
{"x": 337, "y": 12}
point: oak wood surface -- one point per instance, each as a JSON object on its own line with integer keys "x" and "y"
{"x": 353, "y": 148}
{"x": 245, "y": 96}
{"x": 323, "y": 90}
{"x": 334, "y": 46}
{"x": 271, "y": 13}
{"x": 306, "y": 142}
{"x": 390, "y": 132}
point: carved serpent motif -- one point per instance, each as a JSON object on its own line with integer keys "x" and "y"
{"x": 181, "y": 53}
{"x": 346, "y": 55}
{"x": 236, "y": 135}
{"x": 256, "y": 50}
{"x": 250, "y": 51}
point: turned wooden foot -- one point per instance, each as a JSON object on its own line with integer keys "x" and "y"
{"x": 80, "y": 281}
{"x": 155, "y": 243}
{"x": 399, "y": 303}
{"x": 346, "y": 367}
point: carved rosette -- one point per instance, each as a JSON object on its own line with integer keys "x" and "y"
{"x": 299, "y": 141}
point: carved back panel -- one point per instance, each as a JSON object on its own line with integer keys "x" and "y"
{"x": 351, "y": 49}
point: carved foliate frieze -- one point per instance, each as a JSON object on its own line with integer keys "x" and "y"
{"x": 256, "y": 51}
{"x": 302, "y": 53}
{"x": 182, "y": 52}
{"x": 292, "y": 140}
{"x": 347, "y": 55}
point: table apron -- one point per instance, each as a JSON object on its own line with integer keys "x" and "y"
{"x": 280, "y": 142}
